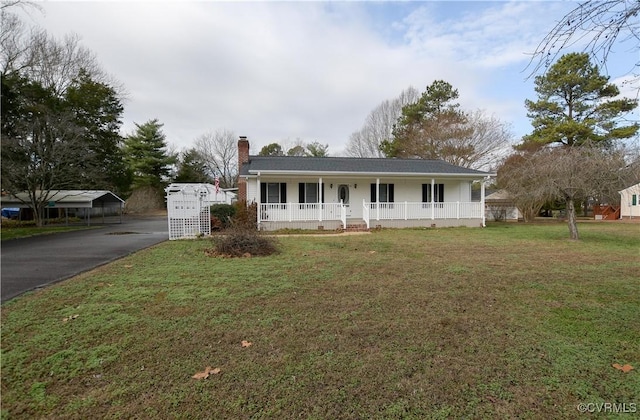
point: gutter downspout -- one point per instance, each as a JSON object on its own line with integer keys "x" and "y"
{"x": 482, "y": 206}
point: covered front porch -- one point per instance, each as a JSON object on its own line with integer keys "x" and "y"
{"x": 336, "y": 216}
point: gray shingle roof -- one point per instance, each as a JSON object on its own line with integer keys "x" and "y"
{"x": 326, "y": 165}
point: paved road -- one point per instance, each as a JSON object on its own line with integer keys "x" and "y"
{"x": 35, "y": 262}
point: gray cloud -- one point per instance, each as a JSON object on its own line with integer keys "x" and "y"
{"x": 313, "y": 70}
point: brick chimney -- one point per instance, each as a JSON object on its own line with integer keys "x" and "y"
{"x": 243, "y": 157}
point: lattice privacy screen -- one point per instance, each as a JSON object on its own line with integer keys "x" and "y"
{"x": 188, "y": 209}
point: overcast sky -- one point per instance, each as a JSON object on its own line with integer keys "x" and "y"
{"x": 278, "y": 71}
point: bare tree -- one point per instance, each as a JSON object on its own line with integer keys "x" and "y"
{"x": 378, "y": 125}
{"x": 518, "y": 176}
{"x": 570, "y": 175}
{"x": 601, "y": 24}
{"x": 471, "y": 140}
{"x": 42, "y": 58}
{"x": 488, "y": 141}
{"x": 220, "y": 155}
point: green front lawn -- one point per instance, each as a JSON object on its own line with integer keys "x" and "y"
{"x": 509, "y": 321}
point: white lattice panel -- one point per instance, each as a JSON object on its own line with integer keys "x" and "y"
{"x": 188, "y": 211}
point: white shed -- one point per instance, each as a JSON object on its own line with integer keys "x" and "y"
{"x": 188, "y": 209}
{"x": 630, "y": 202}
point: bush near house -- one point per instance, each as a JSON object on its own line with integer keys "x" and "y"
{"x": 222, "y": 215}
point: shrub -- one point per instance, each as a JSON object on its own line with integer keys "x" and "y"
{"x": 221, "y": 215}
{"x": 246, "y": 216}
{"x": 243, "y": 242}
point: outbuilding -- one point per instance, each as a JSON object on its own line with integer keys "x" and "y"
{"x": 79, "y": 203}
{"x": 630, "y": 202}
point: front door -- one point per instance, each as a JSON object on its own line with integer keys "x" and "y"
{"x": 343, "y": 195}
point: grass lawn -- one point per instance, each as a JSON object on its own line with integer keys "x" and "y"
{"x": 509, "y": 321}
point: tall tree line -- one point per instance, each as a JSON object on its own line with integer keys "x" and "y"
{"x": 61, "y": 116}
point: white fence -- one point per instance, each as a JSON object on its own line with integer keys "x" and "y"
{"x": 188, "y": 210}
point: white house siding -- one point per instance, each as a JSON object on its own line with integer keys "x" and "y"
{"x": 359, "y": 188}
{"x": 627, "y": 207}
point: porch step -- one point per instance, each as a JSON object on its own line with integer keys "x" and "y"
{"x": 356, "y": 227}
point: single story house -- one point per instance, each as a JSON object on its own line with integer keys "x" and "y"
{"x": 630, "y": 201}
{"x": 339, "y": 192}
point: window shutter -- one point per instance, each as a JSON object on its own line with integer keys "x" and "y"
{"x": 390, "y": 195}
{"x": 301, "y": 192}
{"x": 634, "y": 200}
{"x": 283, "y": 192}
{"x": 425, "y": 193}
{"x": 263, "y": 192}
{"x": 373, "y": 193}
{"x": 440, "y": 193}
{"x": 322, "y": 194}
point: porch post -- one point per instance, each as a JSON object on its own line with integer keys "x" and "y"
{"x": 377, "y": 198}
{"x": 320, "y": 199}
{"x": 259, "y": 211}
{"x": 433, "y": 185}
{"x": 482, "y": 202}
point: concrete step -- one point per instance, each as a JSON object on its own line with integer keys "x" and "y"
{"x": 356, "y": 227}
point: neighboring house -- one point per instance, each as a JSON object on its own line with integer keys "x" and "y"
{"x": 500, "y": 207}
{"x": 630, "y": 202}
{"x": 336, "y": 192}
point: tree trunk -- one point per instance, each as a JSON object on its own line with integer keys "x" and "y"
{"x": 571, "y": 220}
{"x": 38, "y": 215}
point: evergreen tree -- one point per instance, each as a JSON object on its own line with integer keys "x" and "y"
{"x": 97, "y": 110}
{"x": 42, "y": 146}
{"x": 273, "y": 149}
{"x": 316, "y": 149}
{"x": 432, "y": 128}
{"x": 146, "y": 155}
{"x": 575, "y": 105}
{"x": 192, "y": 168}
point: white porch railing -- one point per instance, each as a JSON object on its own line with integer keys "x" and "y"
{"x": 298, "y": 212}
{"x": 295, "y": 212}
{"x": 421, "y": 211}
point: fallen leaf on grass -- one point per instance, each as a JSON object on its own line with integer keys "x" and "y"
{"x": 625, "y": 368}
{"x": 128, "y": 265}
{"x": 206, "y": 373}
{"x": 246, "y": 343}
{"x": 69, "y": 318}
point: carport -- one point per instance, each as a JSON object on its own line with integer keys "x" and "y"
{"x": 87, "y": 203}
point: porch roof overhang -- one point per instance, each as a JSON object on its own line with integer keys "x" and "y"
{"x": 369, "y": 175}
{"x": 356, "y": 167}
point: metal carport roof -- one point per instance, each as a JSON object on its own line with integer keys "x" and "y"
{"x": 68, "y": 199}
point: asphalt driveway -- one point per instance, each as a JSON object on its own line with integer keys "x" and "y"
{"x": 35, "y": 262}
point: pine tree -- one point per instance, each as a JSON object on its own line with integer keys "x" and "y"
{"x": 147, "y": 156}
{"x": 575, "y": 106}
{"x": 434, "y": 127}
